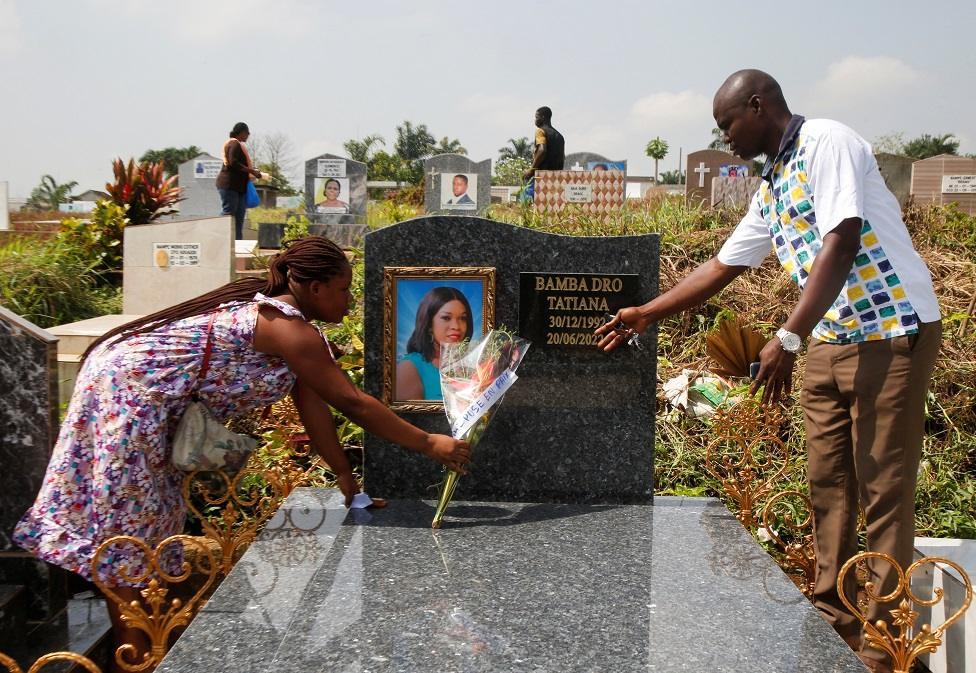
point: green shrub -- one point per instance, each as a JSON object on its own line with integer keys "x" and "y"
{"x": 144, "y": 189}
{"x": 50, "y": 283}
{"x": 98, "y": 239}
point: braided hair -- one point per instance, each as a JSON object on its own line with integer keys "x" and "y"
{"x": 304, "y": 260}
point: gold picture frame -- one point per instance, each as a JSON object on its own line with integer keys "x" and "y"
{"x": 405, "y": 291}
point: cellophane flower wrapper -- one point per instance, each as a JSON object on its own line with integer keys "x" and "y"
{"x": 474, "y": 378}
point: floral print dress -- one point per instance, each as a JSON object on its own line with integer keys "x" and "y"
{"x": 111, "y": 473}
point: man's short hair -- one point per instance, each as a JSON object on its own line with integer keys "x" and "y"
{"x": 462, "y": 176}
{"x": 545, "y": 111}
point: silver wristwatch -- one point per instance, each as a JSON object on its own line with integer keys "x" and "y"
{"x": 791, "y": 343}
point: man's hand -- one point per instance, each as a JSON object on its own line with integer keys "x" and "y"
{"x": 450, "y": 452}
{"x": 776, "y": 371}
{"x": 614, "y": 333}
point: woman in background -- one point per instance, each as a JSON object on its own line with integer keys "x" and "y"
{"x": 234, "y": 176}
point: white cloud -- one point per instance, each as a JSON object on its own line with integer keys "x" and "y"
{"x": 672, "y": 111}
{"x": 498, "y": 112}
{"x": 11, "y": 36}
{"x": 857, "y": 80}
{"x": 221, "y": 20}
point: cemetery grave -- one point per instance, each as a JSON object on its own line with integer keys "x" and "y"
{"x": 453, "y": 183}
{"x": 556, "y": 554}
{"x": 545, "y": 510}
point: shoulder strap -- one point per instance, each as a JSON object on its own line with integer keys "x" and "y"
{"x": 205, "y": 367}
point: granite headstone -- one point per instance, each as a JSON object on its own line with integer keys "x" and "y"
{"x": 589, "y": 161}
{"x": 897, "y": 173}
{"x": 339, "y": 214}
{"x": 29, "y": 419}
{"x": 578, "y": 426}
{"x": 198, "y": 182}
{"x": 455, "y": 184}
{"x": 677, "y": 586}
{"x": 705, "y": 165}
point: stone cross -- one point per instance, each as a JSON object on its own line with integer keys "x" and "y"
{"x": 701, "y": 170}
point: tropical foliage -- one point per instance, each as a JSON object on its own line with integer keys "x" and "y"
{"x": 509, "y": 171}
{"x": 171, "y": 157}
{"x": 656, "y": 149}
{"x": 413, "y": 144}
{"x": 144, "y": 190}
{"x": 926, "y": 146}
{"x": 50, "y": 194}
{"x": 517, "y": 148}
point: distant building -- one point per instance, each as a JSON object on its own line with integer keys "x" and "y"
{"x": 90, "y": 195}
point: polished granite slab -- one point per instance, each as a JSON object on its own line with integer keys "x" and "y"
{"x": 674, "y": 586}
{"x": 578, "y": 426}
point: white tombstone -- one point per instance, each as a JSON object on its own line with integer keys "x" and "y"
{"x": 4, "y": 206}
{"x": 958, "y": 653}
{"x": 170, "y": 262}
{"x": 198, "y": 182}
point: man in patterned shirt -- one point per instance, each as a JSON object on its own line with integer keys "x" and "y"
{"x": 868, "y": 303}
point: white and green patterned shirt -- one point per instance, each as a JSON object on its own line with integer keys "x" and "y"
{"x": 824, "y": 174}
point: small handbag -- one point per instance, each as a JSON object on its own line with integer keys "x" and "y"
{"x": 251, "y": 199}
{"x": 201, "y": 441}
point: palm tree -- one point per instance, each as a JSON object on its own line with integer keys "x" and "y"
{"x": 521, "y": 148}
{"x": 656, "y": 149}
{"x": 718, "y": 141}
{"x": 48, "y": 194}
{"x": 926, "y": 146}
{"x": 413, "y": 143}
{"x": 359, "y": 150}
{"x": 447, "y": 146}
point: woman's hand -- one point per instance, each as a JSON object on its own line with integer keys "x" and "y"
{"x": 348, "y": 485}
{"x": 450, "y": 452}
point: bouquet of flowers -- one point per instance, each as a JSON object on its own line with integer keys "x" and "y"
{"x": 474, "y": 378}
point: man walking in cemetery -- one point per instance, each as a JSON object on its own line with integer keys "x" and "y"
{"x": 868, "y": 303}
{"x": 550, "y": 149}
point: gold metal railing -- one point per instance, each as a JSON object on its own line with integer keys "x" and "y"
{"x": 128, "y": 561}
{"x": 748, "y": 455}
{"x": 793, "y": 535}
{"x": 54, "y": 657}
{"x": 232, "y": 509}
{"x": 909, "y": 642}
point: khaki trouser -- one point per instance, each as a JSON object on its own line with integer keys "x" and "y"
{"x": 864, "y": 408}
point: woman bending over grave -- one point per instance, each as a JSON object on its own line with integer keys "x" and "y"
{"x": 444, "y": 316}
{"x": 111, "y": 472}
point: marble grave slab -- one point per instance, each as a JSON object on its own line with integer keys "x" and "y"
{"x": 527, "y": 588}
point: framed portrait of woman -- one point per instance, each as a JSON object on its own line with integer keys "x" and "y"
{"x": 424, "y": 308}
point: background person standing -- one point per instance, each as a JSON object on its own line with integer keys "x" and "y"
{"x": 550, "y": 150}
{"x": 234, "y": 176}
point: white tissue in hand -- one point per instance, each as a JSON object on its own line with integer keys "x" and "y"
{"x": 361, "y": 501}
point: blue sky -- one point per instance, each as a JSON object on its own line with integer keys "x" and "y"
{"x": 85, "y": 81}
